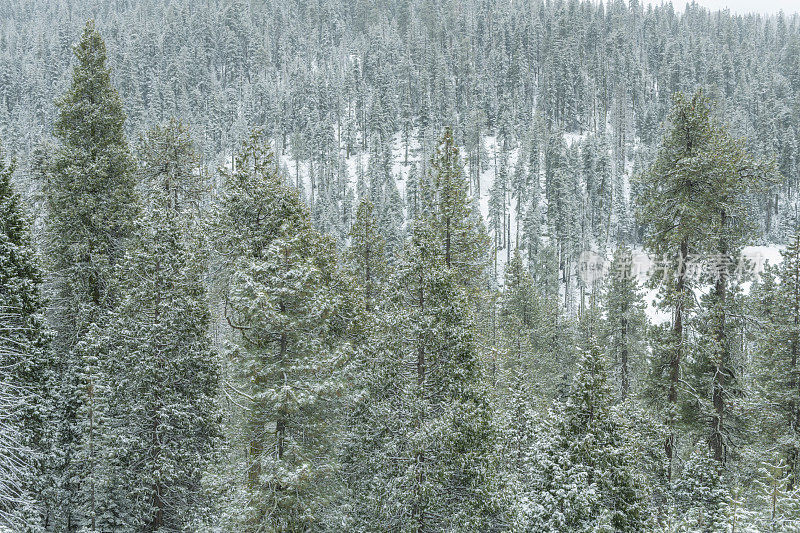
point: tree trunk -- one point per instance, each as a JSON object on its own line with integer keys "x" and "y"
{"x": 675, "y": 360}
{"x": 794, "y": 346}
{"x": 447, "y": 242}
{"x": 624, "y": 358}
{"x": 721, "y": 363}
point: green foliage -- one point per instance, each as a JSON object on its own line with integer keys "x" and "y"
{"x": 775, "y": 306}
{"x": 445, "y": 202}
{"x": 27, "y": 371}
{"x": 624, "y": 328}
{"x": 160, "y": 372}
{"x": 702, "y": 494}
{"x": 169, "y": 173}
{"x": 692, "y": 202}
{"x": 90, "y": 190}
{"x": 423, "y": 458}
{"x": 91, "y": 206}
{"x": 778, "y": 497}
{"x": 670, "y": 202}
{"x": 284, "y": 302}
{"x": 582, "y": 480}
{"x": 366, "y": 253}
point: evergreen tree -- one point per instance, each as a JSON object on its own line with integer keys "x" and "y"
{"x": 593, "y": 81}
{"x": 412, "y": 199}
{"x": 672, "y": 210}
{"x": 169, "y": 174}
{"x": 283, "y": 303}
{"x": 428, "y": 436}
{"x": 702, "y": 493}
{"x": 366, "y": 253}
{"x": 26, "y": 372}
{"x": 780, "y": 510}
{"x": 520, "y": 320}
{"x": 156, "y": 355}
{"x": 91, "y": 205}
{"x": 776, "y": 301}
{"x": 497, "y": 212}
{"x": 582, "y": 480}
{"x": 446, "y": 202}
{"x": 725, "y": 173}
{"x": 448, "y": 481}
{"x": 625, "y": 320}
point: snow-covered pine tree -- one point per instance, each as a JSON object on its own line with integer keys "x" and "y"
{"x": 91, "y": 207}
{"x": 283, "y": 302}
{"x": 582, "y": 480}
{"x": 390, "y": 220}
{"x": 521, "y": 188}
{"x": 169, "y": 173}
{"x": 589, "y": 155}
{"x": 702, "y": 494}
{"x": 624, "y": 327}
{"x": 563, "y": 195}
{"x": 445, "y": 201}
{"x": 776, "y": 305}
{"x": 162, "y": 375}
{"x": 670, "y": 207}
{"x": 366, "y": 254}
{"x": 423, "y": 454}
{"x": 725, "y": 174}
{"x": 779, "y": 499}
{"x": 556, "y": 336}
{"x": 449, "y": 477}
{"x": 413, "y": 199}
{"x": 372, "y": 377}
{"x": 27, "y": 372}
{"x": 520, "y": 319}
{"x": 497, "y": 211}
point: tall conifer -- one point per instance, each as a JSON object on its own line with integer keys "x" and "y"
{"x": 91, "y": 207}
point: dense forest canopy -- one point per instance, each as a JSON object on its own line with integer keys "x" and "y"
{"x": 361, "y": 72}
{"x": 414, "y": 265}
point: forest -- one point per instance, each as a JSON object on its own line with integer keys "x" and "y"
{"x": 398, "y": 266}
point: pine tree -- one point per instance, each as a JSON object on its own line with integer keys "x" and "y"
{"x": 371, "y": 377}
{"x": 413, "y": 199}
{"x": 168, "y": 173}
{"x": 448, "y": 481}
{"x": 702, "y": 493}
{"x": 726, "y": 173}
{"x": 521, "y": 315}
{"x": 776, "y": 305}
{"x": 671, "y": 207}
{"x": 91, "y": 205}
{"x": 156, "y": 353}
{"x": 366, "y": 253}
{"x": 283, "y": 303}
{"x": 390, "y": 220}
{"x": 625, "y": 320}
{"x": 423, "y": 456}
{"x": 780, "y": 510}
{"x": 27, "y": 372}
{"x": 445, "y": 200}
{"x": 582, "y": 480}
{"x": 497, "y": 213}
{"x": 556, "y": 336}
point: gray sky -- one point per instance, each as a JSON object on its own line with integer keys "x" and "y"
{"x": 742, "y": 6}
